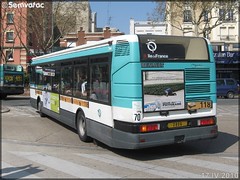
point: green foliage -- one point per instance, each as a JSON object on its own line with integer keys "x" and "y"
{"x": 158, "y": 89}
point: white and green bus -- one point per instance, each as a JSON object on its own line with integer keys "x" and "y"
{"x": 130, "y": 91}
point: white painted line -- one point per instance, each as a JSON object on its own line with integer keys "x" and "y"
{"x": 232, "y": 158}
{"x": 140, "y": 166}
{"x": 67, "y": 167}
{"x": 12, "y": 172}
{"x": 204, "y": 164}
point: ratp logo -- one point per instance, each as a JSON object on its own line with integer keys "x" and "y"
{"x": 152, "y": 46}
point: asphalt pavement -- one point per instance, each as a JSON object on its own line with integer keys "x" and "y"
{"x": 4, "y": 109}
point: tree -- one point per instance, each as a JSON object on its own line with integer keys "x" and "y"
{"x": 204, "y": 16}
{"x": 57, "y": 19}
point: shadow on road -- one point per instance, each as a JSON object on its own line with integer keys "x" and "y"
{"x": 19, "y": 172}
{"x": 9, "y": 98}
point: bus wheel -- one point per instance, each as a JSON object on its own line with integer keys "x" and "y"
{"x": 82, "y": 127}
{"x": 39, "y": 107}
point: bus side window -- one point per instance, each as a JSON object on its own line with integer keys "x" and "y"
{"x": 56, "y": 80}
{"x": 66, "y": 80}
{"x": 80, "y": 81}
{"x": 39, "y": 77}
{"x": 99, "y": 82}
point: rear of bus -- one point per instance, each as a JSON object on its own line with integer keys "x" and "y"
{"x": 12, "y": 80}
{"x": 163, "y": 91}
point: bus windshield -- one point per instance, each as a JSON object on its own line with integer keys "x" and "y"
{"x": 159, "y": 48}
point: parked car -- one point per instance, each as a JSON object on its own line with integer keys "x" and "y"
{"x": 227, "y": 87}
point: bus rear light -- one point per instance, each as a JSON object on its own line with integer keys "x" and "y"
{"x": 149, "y": 127}
{"x": 206, "y": 122}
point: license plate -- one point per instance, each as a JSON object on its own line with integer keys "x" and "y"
{"x": 177, "y": 124}
{"x": 199, "y": 105}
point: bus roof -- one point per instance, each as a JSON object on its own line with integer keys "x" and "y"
{"x": 109, "y": 41}
{"x": 102, "y": 43}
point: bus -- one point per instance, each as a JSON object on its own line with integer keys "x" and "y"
{"x": 130, "y": 91}
{"x": 11, "y": 80}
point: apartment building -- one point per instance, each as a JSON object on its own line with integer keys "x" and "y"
{"x": 13, "y": 37}
{"x": 215, "y": 20}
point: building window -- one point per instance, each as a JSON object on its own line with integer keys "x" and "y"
{"x": 205, "y": 16}
{"x": 221, "y": 14}
{"x": 9, "y": 55}
{"x": 223, "y": 33}
{"x": 187, "y": 16}
{"x": 10, "y": 18}
{"x": 236, "y": 45}
{"x": 230, "y": 15}
{"x": 9, "y": 36}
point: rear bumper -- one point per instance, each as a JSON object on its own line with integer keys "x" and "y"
{"x": 12, "y": 90}
{"x": 126, "y": 140}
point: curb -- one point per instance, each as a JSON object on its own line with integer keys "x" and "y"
{"x": 4, "y": 109}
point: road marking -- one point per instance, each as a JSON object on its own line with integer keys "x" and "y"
{"x": 204, "y": 164}
{"x": 67, "y": 167}
{"x": 12, "y": 172}
{"x": 140, "y": 166}
{"x": 232, "y": 158}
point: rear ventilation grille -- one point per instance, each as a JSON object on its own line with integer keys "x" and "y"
{"x": 122, "y": 48}
{"x": 197, "y": 74}
{"x": 198, "y": 88}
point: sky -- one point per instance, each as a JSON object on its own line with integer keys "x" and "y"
{"x": 121, "y": 12}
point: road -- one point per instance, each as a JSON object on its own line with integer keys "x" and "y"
{"x": 34, "y": 147}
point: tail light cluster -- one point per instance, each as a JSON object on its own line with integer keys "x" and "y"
{"x": 206, "y": 122}
{"x": 149, "y": 127}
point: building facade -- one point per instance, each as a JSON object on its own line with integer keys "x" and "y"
{"x": 13, "y": 36}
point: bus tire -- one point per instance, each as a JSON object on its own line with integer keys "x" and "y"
{"x": 39, "y": 107}
{"x": 82, "y": 127}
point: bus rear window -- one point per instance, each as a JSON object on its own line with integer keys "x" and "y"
{"x": 173, "y": 48}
